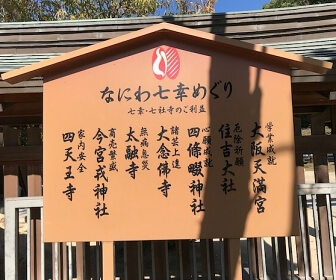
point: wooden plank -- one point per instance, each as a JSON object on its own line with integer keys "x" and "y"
{"x": 20, "y": 154}
{"x": 133, "y": 269}
{"x": 207, "y": 258}
{"x": 56, "y": 261}
{"x": 302, "y": 76}
{"x": 300, "y": 179}
{"x": 34, "y": 182}
{"x": 234, "y": 22}
{"x": 260, "y": 18}
{"x": 34, "y": 189}
{"x": 306, "y": 86}
{"x": 34, "y": 139}
{"x": 312, "y": 99}
{"x": 90, "y": 53}
{"x": 233, "y": 259}
{"x": 232, "y": 26}
{"x": 64, "y": 261}
{"x": 1, "y": 168}
{"x": 21, "y": 97}
{"x": 251, "y": 37}
{"x": 256, "y": 258}
{"x": 21, "y": 120}
{"x": 321, "y": 144}
{"x": 35, "y": 244}
{"x": 83, "y": 265}
{"x": 11, "y": 170}
{"x": 34, "y": 136}
{"x": 280, "y": 248}
{"x": 80, "y": 261}
{"x": 160, "y": 261}
{"x": 11, "y": 181}
{"x": 34, "y": 82}
{"x": 253, "y": 28}
{"x": 308, "y": 109}
{"x": 184, "y": 259}
{"x": 108, "y": 260}
{"x": 322, "y": 176}
{"x": 19, "y": 90}
{"x": 282, "y": 37}
{"x": 21, "y": 109}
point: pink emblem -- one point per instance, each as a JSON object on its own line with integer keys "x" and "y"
{"x": 166, "y": 63}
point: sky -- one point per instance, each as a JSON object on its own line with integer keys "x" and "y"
{"x": 222, "y": 6}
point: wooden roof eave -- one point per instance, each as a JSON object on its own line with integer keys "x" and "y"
{"x": 164, "y": 30}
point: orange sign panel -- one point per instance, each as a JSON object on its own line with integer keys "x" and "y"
{"x": 169, "y": 141}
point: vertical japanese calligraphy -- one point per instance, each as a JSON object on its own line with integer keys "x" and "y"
{"x": 200, "y": 155}
{"x": 101, "y": 188}
{"x": 168, "y": 152}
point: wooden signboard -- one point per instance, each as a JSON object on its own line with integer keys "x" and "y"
{"x": 169, "y": 140}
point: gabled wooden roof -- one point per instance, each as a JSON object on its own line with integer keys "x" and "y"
{"x": 308, "y": 30}
{"x": 160, "y": 31}
{"x": 262, "y": 27}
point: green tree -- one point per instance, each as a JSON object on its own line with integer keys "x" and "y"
{"x": 42, "y": 10}
{"x": 293, "y": 3}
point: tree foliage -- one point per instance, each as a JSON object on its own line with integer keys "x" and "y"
{"x": 293, "y": 3}
{"x": 42, "y": 10}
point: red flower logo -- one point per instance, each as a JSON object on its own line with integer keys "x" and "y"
{"x": 165, "y": 63}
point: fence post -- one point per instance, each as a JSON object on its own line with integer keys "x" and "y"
{"x": 108, "y": 260}
{"x": 256, "y": 258}
{"x": 300, "y": 179}
{"x": 1, "y": 167}
{"x": 279, "y": 256}
{"x": 233, "y": 259}
{"x": 207, "y": 257}
{"x": 11, "y": 171}
{"x": 11, "y": 183}
{"x": 322, "y": 176}
{"x": 83, "y": 267}
{"x": 160, "y": 259}
{"x": 34, "y": 183}
{"x": 184, "y": 259}
{"x": 133, "y": 261}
